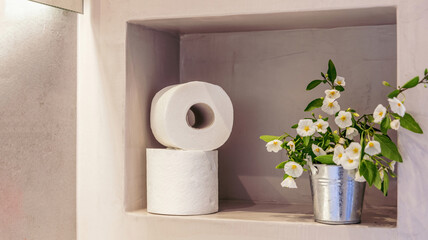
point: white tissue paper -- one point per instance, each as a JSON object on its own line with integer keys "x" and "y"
{"x": 181, "y": 182}
{"x": 192, "y": 116}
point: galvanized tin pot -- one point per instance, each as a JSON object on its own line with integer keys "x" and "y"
{"x": 337, "y": 198}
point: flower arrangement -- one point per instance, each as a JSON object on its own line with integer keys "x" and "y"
{"x": 360, "y": 143}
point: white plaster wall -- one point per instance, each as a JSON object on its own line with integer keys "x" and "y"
{"x": 101, "y": 115}
{"x": 37, "y": 122}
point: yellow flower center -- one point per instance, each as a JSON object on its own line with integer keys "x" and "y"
{"x": 381, "y": 114}
{"x": 343, "y": 117}
{"x": 306, "y": 128}
{"x": 275, "y": 143}
{"x": 350, "y": 161}
{"x": 319, "y": 125}
{"x": 332, "y": 93}
{"x": 317, "y": 150}
{"x": 371, "y": 144}
{"x": 330, "y": 104}
{"x": 355, "y": 150}
{"x": 399, "y": 104}
{"x": 293, "y": 167}
{"x": 339, "y": 82}
{"x": 340, "y": 155}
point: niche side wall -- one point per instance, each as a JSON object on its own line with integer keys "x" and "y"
{"x": 152, "y": 59}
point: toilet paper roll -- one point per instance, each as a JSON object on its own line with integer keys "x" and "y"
{"x": 192, "y": 116}
{"x": 182, "y": 182}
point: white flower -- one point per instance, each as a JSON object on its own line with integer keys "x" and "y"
{"x": 289, "y": 183}
{"x": 274, "y": 146}
{"x": 321, "y": 126}
{"x": 351, "y": 133}
{"x": 397, "y": 106}
{"x": 372, "y": 148}
{"x": 358, "y": 177}
{"x": 339, "y": 153}
{"x": 353, "y": 150}
{"x": 350, "y": 163}
{"x": 293, "y": 169}
{"x": 292, "y": 146}
{"x": 317, "y": 150}
{"x": 332, "y": 94}
{"x": 379, "y": 113}
{"x": 340, "y": 81}
{"x": 392, "y": 165}
{"x": 305, "y": 128}
{"x": 330, "y": 106}
{"x": 341, "y": 141}
{"x": 395, "y": 124}
{"x": 344, "y": 119}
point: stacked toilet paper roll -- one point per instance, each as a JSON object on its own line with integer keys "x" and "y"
{"x": 182, "y": 182}
{"x": 192, "y": 119}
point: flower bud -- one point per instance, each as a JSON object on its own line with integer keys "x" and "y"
{"x": 319, "y": 116}
{"x": 395, "y": 124}
{"x": 356, "y": 114}
{"x": 385, "y": 83}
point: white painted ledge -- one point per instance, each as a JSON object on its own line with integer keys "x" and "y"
{"x": 294, "y": 221}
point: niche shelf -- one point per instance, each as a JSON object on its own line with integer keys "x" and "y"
{"x": 264, "y": 62}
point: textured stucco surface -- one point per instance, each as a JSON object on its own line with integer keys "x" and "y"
{"x": 37, "y": 122}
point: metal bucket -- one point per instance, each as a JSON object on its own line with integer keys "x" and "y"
{"x": 337, "y": 198}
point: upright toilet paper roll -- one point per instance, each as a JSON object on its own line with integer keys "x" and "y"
{"x": 182, "y": 182}
{"x": 192, "y": 116}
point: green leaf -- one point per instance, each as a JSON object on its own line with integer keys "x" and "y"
{"x": 408, "y": 122}
{"x": 378, "y": 181}
{"x": 268, "y": 138}
{"x": 331, "y": 71}
{"x": 339, "y": 88}
{"x": 394, "y": 93}
{"x": 295, "y": 125}
{"x": 313, "y": 84}
{"x": 385, "y": 185}
{"x": 336, "y": 137}
{"x": 426, "y": 71}
{"x": 322, "y": 75}
{"x": 326, "y": 159}
{"x": 285, "y": 176}
{"x": 385, "y": 125}
{"x": 306, "y": 140}
{"x": 411, "y": 83}
{"x": 388, "y": 148}
{"x": 281, "y": 165}
{"x": 369, "y": 171}
{"x": 314, "y": 104}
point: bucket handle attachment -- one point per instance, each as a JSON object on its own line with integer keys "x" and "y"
{"x": 314, "y": 170}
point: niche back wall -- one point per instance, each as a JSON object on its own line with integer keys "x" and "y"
{"x": 265, "y": 73}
